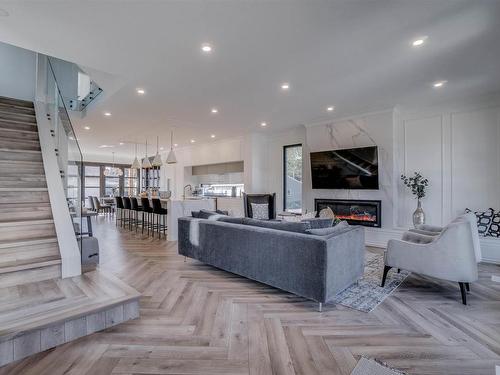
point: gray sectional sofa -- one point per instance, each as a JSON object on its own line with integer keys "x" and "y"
{"x": 283, "y": 255}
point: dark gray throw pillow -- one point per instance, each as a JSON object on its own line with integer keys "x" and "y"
{"x": 195, "y": 214}
{"x": 332, "y": 230}
{"x": 230, "y": 219}
{"x": 297, "y": 227}
{"x": 319, "y": 222}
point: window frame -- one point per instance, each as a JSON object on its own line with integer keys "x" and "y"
{"x": 285, "y": 147}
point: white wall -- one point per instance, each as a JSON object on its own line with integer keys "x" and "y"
{"x": 459, "y": 150}
{"x": 17, "y": 73}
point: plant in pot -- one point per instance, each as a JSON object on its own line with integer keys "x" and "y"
{"x": 417, "y": 185}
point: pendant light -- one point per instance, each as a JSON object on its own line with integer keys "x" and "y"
{"x": 171, "y": 159}
{"x": 146, "y": 164}
{"x": 136, "y": 164}
{"x": 157, "y": 160}
{"x": 113, "y": 171}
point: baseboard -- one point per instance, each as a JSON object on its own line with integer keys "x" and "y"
{"x": 378, "y": 237}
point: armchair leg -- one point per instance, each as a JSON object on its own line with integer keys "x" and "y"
{"x": 467, "y": 286}
{"x": 399, "y": 270}
{"x": 463, "y": 292}
{"x": 384, "y": 276}
{"x": 320, "y": 307}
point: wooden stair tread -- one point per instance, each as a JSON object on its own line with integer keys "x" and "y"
{"x": 12, "y": 108}
{"x": 17, "y": 189}
{"x": 21, "y": 243}
{"x": 7, "y": 111}
{"x": 17, "y": 102}
{"x": 26, "y": 264}
{"x": 25, "y": 222}
{"x": 6, "y": 149}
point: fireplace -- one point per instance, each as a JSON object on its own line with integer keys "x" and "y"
{"x": 355, "y": 212}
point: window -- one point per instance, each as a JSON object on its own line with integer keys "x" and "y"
{"x": 130, "y": 182}
{"x": 92, "y": 181}
{"x": 292, "y": 178}
{"x": 73, "y": 184}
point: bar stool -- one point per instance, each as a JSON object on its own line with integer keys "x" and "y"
{"x": 119, "y": 210}
{"x": 105, "y": 208}
{"x": 161, "y": 217}
{"x": 91, "y": 203}
{"x": 135, "y": 209}
{"x": 148, "y": 210}
{"x": 127, "y": 209}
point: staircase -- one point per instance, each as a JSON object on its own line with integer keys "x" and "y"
{"x": 29, "y": 250}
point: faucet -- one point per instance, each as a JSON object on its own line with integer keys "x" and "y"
{"x": 184, "y": 190}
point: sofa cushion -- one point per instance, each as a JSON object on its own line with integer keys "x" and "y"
{"x": 260, "y": 211}
{"x": 230, "y": 219}
{"x": 327, "y": 231}
{"x": 319, "y": 222}
{"x": 205, "y": 214}
{"x": 297, "y": 227}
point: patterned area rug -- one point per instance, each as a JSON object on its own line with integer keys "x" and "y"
{"x": 367, "y": 293}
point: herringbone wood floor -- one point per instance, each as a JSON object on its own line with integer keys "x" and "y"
{"x": 199, "y": 320}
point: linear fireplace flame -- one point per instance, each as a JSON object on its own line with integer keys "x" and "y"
{"x": 355, "y": 212}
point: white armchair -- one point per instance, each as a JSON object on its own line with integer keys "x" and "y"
{"x": 447, "y": 255}
{"x": 431, "y": 230}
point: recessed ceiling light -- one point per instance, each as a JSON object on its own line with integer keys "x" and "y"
{"x": 263, "y": 124}
{"x": 419, "y": 41}
{"x": 4, "y": 13}
{"x": 121, "y": 143}
{"x": 206, "y": 47}
{"x": 175, "y": 145}
{"x": 192, "y": 141}
{"x": 162, "y": 148}
{"x": 106, "y": 146}
{"x": 285, "y": 86}
{"x": 330, "y": 109}
{"x": 141, "y": 91}
{"x": 212, "y": 136}
{"x": 214, "y": 110}
{"x": 439, "y": 84}
{"x": 107, "y": 114}
{"x": 86, "y": 127}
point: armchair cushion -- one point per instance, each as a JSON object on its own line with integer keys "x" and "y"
{"x": 418, "y": 237}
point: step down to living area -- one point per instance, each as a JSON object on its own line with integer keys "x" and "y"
{"x": 32, "y": 321}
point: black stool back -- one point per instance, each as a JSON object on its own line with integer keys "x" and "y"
{"x": 126, "y": 203}
{"x": 133, "y": 204}
{"x": 145, "y": 205}
{"x": 119, "y": 202}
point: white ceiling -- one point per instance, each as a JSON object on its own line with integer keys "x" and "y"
{"x": 355, "y": 55}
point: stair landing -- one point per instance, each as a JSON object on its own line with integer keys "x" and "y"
{"x": 38, "y": 316}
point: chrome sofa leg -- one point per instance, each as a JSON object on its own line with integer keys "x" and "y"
{"x": 320, "y": 307}
{"x": 185, "y": 259}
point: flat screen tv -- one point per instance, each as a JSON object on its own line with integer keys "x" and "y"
{"x": 354, "y": 168}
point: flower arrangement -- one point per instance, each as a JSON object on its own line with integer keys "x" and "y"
{"x": 417, "y": 184}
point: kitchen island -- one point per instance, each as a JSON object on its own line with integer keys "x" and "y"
{"x": 182, "y": 207}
